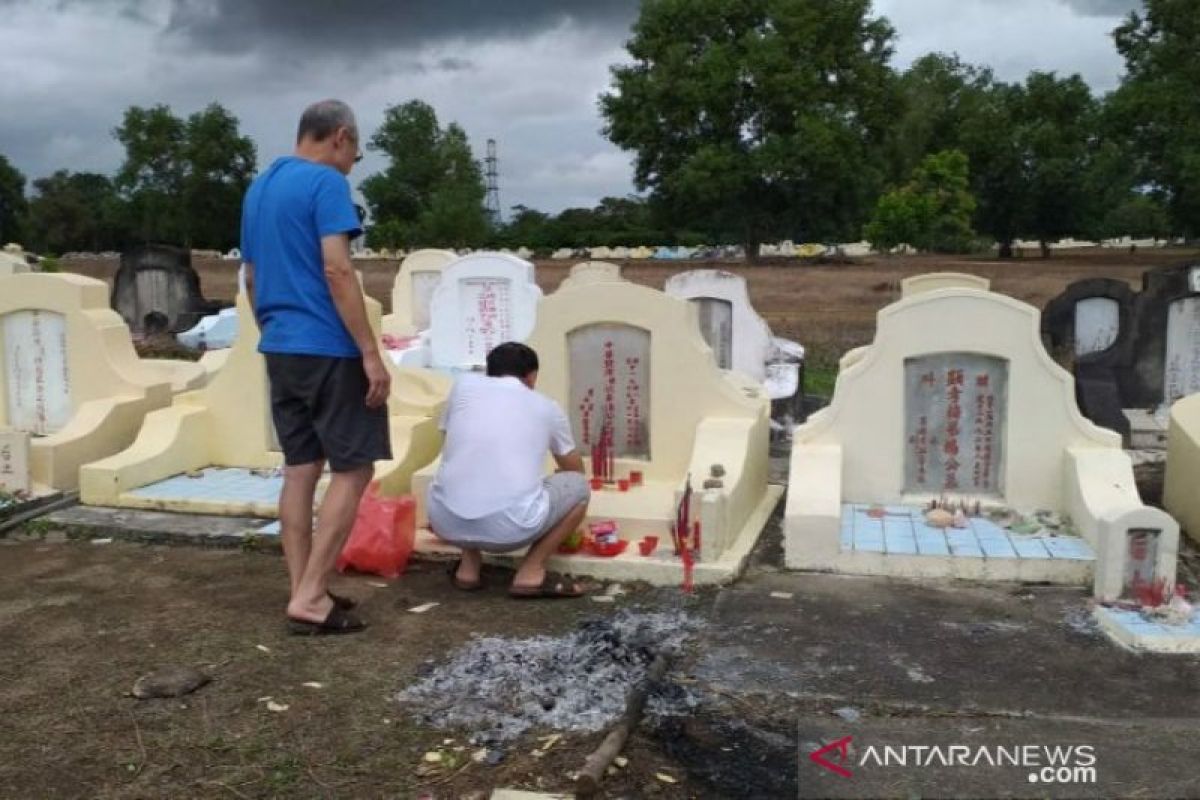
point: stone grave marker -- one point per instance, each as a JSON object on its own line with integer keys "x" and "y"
{"x": 483, "y": 299}
{"x": 14, "y": 461}
{"x": 610, "y": 387}
{"x": 412, "y": 291}
{"x": 157, "y": 291}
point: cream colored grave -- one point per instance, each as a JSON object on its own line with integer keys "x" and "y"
{"x": 13, "y": 261}
{"x": 933, "y": 281}
{"x": 1047, "y": 456}
{"x": 675, "y": 413}
{"x": 14, "y": 461}
{"x": 1181, "y": 492}
{"x": 413, "y": 290}
{"x": 69, "y": 374}
{"x": 228, "y": 424}
{"x": 591, "y": 272}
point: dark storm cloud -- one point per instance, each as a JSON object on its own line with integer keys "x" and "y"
{"x": 1103, "y": 8}
{"x": 371, "y": 25}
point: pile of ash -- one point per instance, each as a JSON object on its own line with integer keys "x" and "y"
{"x": 500, "y": 688}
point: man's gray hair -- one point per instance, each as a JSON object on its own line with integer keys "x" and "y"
{"x": 320, "y": 120}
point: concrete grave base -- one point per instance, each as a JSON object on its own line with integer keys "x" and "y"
{"x": 1130, "y": 629}
{"x": 660, "y": 568}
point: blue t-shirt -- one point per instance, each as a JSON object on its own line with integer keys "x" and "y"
{"x": 287, "y": 210}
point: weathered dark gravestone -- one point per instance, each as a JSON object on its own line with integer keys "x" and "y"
{"x": 1090, "y": 326}
{"x": 157, "y": 291}
{"x": 1166, "y": 350}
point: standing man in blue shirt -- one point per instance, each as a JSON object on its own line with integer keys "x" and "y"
{"x": 329, "y": 385}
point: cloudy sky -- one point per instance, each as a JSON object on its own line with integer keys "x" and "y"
{"x": 524, "y": 72}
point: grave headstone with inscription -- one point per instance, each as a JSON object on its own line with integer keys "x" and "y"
{"x": 483, "y": 299}
{"x": 69, "y": 375}
{"x": 958, "y": 400}
{"x": 648, "y": 407}
{"x": 157, "y": 291}
{"x": 1165, "y": 361}
{"x": 14, "y": 461}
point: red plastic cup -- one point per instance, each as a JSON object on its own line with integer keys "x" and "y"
{"x": 597, "y": 484}
{"x": 635, "y": 477}
{"x": 647, "y": 545}
{"x": 623, "y": 484}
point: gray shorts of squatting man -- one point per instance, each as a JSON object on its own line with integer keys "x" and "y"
{"x": 497, "y": 533}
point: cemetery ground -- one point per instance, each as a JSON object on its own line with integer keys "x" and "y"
{"x": 828, "y": 306}
{"x": 776, "y": 664}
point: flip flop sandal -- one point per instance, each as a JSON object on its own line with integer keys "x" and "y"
{"x": 338, "y": 622}
{"x": 344, "y": 603}
{"x": 465, "y": 586}
{"x": 553, "y": 587}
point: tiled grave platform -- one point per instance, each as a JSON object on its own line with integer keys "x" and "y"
{"x": 1133, "y": 630}
{"x": 214, "y": 490}
{"x": 900, "y": 543}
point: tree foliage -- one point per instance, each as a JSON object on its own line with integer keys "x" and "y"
{"x": 12, "y": 202}
{"x": 77, "y": 211}
{"x": 760, "y": 117}
{"x": 933, "y": 211}
{"x": 432, "y": 191}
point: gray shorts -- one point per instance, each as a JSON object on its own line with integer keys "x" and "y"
{"x": 498, "y": 533}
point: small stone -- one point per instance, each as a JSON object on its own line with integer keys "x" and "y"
{"x": 263, "y": 647}
{"x": 665, "y": 778}
{"x": 278, "y": 708}
{"x": 169, "y": 682}
{"x": 615, "y": 590}
{"x": 713, "y": 483}
{"x": 939, "y": 518}
{"x": 621, "y": 761}
{"x": 848, "y": 714}
{"x": 717, "y": 471}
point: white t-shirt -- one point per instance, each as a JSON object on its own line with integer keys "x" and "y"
{"x": 498, "y": 432}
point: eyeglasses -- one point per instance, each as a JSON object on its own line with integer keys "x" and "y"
{"x": 358, "y": 158}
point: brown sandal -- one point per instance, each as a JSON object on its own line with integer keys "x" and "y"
{"x": 465, "y": 586}
{"x": 553, "y": 587}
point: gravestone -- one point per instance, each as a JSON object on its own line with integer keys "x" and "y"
{"x": 157, "y": 291}
{"x": 1181, "y": 492}
{"x": 482, "y": 300}
{"x": 609, "y": 367}
{"x": 955, "y": 408}
{"x": 412, "y": 291}
{"x": 956, "y": 397}
{"x": 1165, "y": 361}
{"x": 591, "y": 272}
{"x": 738, "y": 336}
{"x": 14, "y": 461}
{"x": 69, "y": 375}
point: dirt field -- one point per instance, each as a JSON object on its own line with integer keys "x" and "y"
{"x": 828, "y": 308}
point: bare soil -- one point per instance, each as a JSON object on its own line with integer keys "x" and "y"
{"x": 828, "y": 307}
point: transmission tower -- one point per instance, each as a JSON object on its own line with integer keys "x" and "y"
{"x": 491, "y": 202}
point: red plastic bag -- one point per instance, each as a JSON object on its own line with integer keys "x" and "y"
{"x": 382, "y": 538}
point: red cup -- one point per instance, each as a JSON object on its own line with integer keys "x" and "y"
{"x": 623, "y": 484}
{"x": 635, "y": 477}
{"x": 647, "y": 545}
{"x": 597, "y": 484}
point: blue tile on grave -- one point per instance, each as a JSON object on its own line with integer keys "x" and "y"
{"x": 933, "y": 544}
{"x": 963, "y": 543}
{"x": 1028, "y": 547}
{"x": 1068, "y": 547}
{"x": 996, "y": 547}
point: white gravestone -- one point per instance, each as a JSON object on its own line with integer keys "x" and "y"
{"x": 716, "y": 326}
{"x": 1097, "y": 323}
{"x": 482, "y": 299}
{"x": 1181, "y": 374}
{"x": 38, "y": 379}
{"x": 610, "y": 387}
{"x": 14, "y": 461}
{"x": 739, "y": 337}
{"x": 955, "y": 413}
{"x": 424, "y": 283}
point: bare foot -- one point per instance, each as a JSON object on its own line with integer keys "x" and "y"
{"x": 316, "y": 612}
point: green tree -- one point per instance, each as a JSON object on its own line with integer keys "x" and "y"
{"x": 1055, "y": 132}
{"x": 760, "y": 117}
{"x": 219, "y": 164}
{"x": 932, "y": 212}
{"x": 76, "y": 211}
{"x": 12, "y": 202}
{"x": 184, "y": 179}
{"x": 1140, "y": 216}
{"x": 432, "y": 190}
{"x": 1159, "y": 104}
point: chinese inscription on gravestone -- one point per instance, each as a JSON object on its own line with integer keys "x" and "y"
{"x": 955, "y": 409}
{"x": 14, "y": 461}
{"x": 1181, "y": 374}
{"x": 716, "y": 325}
{"x": 610, "y": 387}
{"x": 35, "y": 359}
{"x": 487, "y": 317}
